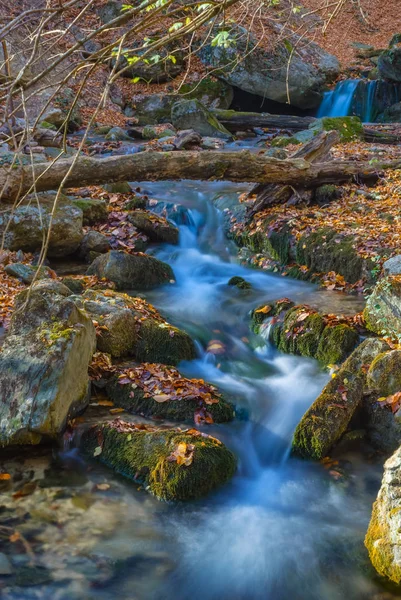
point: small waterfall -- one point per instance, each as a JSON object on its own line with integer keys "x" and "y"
{"x": 359, "y": 97}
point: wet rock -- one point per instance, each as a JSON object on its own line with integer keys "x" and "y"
{"x": 136, "y": 398}
{"x": 93, "y": 241}
{"x": 270, "y": 73}
{"x": 26, "y": 233}
{"x": 132, "y": 271}
{"x": 336, "y": 343}
{"x": 131, "y": 326}
{"x": 94, "y": 210}
{"x": 265, "y": 312}
{"x": 172, "y": 464}
{"x": 44, "y": 364}
{"x": 121, "y": 187}
{"x": 157, "y": 132}
{"x": 212, "y": 143}
{"x": 327, "y": 419}
{"x": 187, "y": 139}
{"x": 26, "y": 273}
{"x": 240, "y": 283}
{"x": 383, "y": 308}
{"x": 191, "y": 114}
{"x": 156, "y": 228}
{"x": 392, "y": 114}
{"x": 383, "y": 536}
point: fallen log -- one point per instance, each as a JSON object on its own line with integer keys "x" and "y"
{"x": 238, "y": 121}
{"x": 314, "y": 151}
{"x": 236, "y": 166}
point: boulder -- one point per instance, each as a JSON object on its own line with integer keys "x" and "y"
{"x": 327, "y": 419}
{"x": 177, "y": 213}
{"x": 172, "y": 464}
{"x": 64, "y": 99}
{"x": 44, "y": 365}
{"x": 118, "y": 134}
{"x": 131, "y": 271}
{"x": 120, "y": 187}
{"x": 150, "y": 390}
{"x": 383, "y": 539}
{"x": 392, "y": 266}
{"x": 93, "y": 242}
{"x": 240, "y": 283}
{"x": 156, "y": 228}
{"x": 389, "y": 64}
{"x": 26, "y": 273}
{"x": 94, "y": 209}
{"x": 383, "y": 308}
{"x": 392, "y": 114}
{"x": 158, "y": 132}
{"x": 276, "y": 73}
{"x": 191, "y": 114}
{"x": 131, "y": 326}
{"x": 23, "y": 229}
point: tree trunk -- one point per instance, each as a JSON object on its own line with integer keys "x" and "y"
{"x": 238, "y": 121}
{"x": 314, "y": 151}
{"x": 238, "y": 166}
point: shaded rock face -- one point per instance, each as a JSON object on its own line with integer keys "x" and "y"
{"x": 383, "y": 308}
{"x": 156, "y": 228}
{"x": 131, "y": 271}
{"x": 131, "y": 326}
{"x": 44, "y": 365}
{"x": 383, "y": 539}
{"x": 172, "y": 464}
{"x": 389, "y": 64}
{"x": 264, "y": 73}
{"x": 93, "y": 241}
{"x": 327, "y": 419}
{"x": 94, "y": 210}
{"x": 26, "y": 233}
{"x": 191, "y": 114}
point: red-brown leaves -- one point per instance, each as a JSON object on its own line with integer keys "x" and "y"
{"x": 393, "y": 401}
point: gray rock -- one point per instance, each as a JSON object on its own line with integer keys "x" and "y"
{"x": 389, "y": 64}
{"x": 26, "y": 273}
{"x": 132, "y": 271}
{"x": 191, "y": 114}
{"x": 25, "y": 231}
{"x": 94, "y": 241}
{"x": 383, "y": 308}
{"x": 156, "y": 228}
{"x": 44, "y": 365}
{"x": 94, "y": 209}
{"x": 392, "y": 266}
{"x": 212, "y": 143}
{"x": 120, "y": 187}
{"x": 268, "y": 73}
{"x": 118, "y": 134}
{"x": 392, "y": 114}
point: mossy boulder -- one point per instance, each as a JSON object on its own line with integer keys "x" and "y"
{"x": 265, "y": 312}
{"x": 325, "y": 194}
{"x": 158, "y": 132}
{"x": 163, "y": 402}
{"x": 132, "y": 327}
{"x": 328, "y": 418}
{"x": 349, "y": 128}
{"x": 119, "y": 187}
{"x": 118, "y": 134}
{"x": 131, "y": 271}
{"x": 383, "y": 308}
{"x": 240, "y": 283}
{"x": 26, "y": 273}
{"x": 382, "y": 539}
{"x": 389, "y": 64}
{"x": 336, "y": 343}
{"x": 384, "y": 375}
{"x": 191, "y": 114}
{"x": 156, "y": 228}
{"x": 25, "y": 226}
{"x": 300, "y": 331}
{"x": 44, "y": 365}
{"x": 172, "y": 464}
{"x": 93, "y": 242}
{"x": 94, "y": 210}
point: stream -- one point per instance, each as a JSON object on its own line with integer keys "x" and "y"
{"x": 281, "y": 529}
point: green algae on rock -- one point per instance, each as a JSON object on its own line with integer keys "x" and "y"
{"x": 382, "y": 539}
{"x": 153, "y": 390}
{"x": 240, "y": 283}
{"x": 172, "y": 464}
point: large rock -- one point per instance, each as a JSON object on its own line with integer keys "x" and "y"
{"x": 389, "y": 63}
{"x": 131, "y": 271}
{"x": 327, "y": 419}
{"x": 191, "y": 114}
{"x": 25, "y": 231}
{"x": 156, "y": 228}
{"x": 383, "y": 308}
{"x": 94, "y": 209}
{"x": 392, "y": 114}
{"x": 172, "y": 464}
{"x": 44, "y": 365}
{"x": 26, "y": 273}
{"x": 383, "y": 539}
{"x": 131, "y": 326}
{"x": 273, "y": 74}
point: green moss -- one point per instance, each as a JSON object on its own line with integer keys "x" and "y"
{"x": 52, "y": 333}
{"x": 94, "y": 210}
{"x": 336, "y": 343}
{"x": 160, "y": 342}
{"x": 240, "y": 283}
{"x": 134, "y": 203}
{"x": 384, "y": 375}
{"x": 133, "y": 400}
{"x": 143, "y": 457}
{"x": 349, "y": 128}
{"x": 46, "y": 125}
{"x": 300, "y": 337}
{"x": 379, "y": 546}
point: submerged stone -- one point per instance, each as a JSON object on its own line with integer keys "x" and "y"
{"x": 173, "y": 464}
{"x": 132, "y": 271}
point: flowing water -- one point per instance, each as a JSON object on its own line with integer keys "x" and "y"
{"x": 281, "y": 529}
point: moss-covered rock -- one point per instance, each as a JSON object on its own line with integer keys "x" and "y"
{"x": 336, "y": 343}
{"x": 173, "y": 465}
{"x": 156, "y": 228}
{"x": 132, "y": 271}
{"x": 300, "y": 332}
{"x": 240, "y": 283}
{"x": 191, "y": 114}
{"x": 94, "y": 210}
{"x": 135, "y": 202}
{"x": 131, "y": 327}
{"x": 265, "y": 312}
{"x": 327, "y": 419}
{"x": 349, "y": 128}
{"x": 383, "y": 536}
{"x": 384, "y": 375}
{"x": 118, "y": 187}
{"x": 187, "y": 405}
{"x": 325, "y": 194}
{"x": 383, "y": 308}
